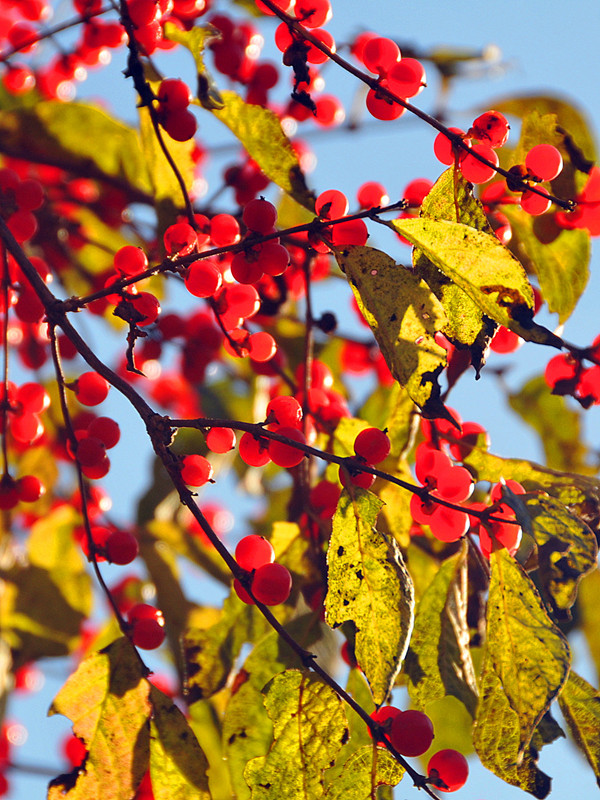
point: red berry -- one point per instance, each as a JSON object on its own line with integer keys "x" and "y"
{"x": 373, "y": 445}
{"x": 180, "y": 125}
{"x": 90, "y": 451}
{"x": 203, "y": 278}
{"x": 372, "y": 194}
{"x": 411, "y": 733}
{"x": 254, "y": 451}
{"x": 253, "y": 551}
{"x": 224, "y": 230}
{"x": 313, "y": 13}
{"x": 448, "y": 770}
{"x": 259, "y": 216}
{"x": 544, "y": 162}
{"x": 121, "y": 547}
{"x": 476, "y": 171}
{"x": 492, "y": 128}
{"x": 364, "y": 480}
{"x": 444, "y": 148}
{"x": 285, "y": 455}
{"x": 407, "y": 77}
{"x": 385, "y": 716}
{"x": 242, "y": 593}
{"x": 285, "y": 410}
{"x": 180, "y": 239}
{"x": 331, "y": 204}
{"x": 130, "y": 260}
{"x": 30, "y": 489}
{"x": 220, "y": 440}
{"x": 272, "y": 584}
{"x": 380, "y": 54}
{"x": 105, "y": 429}
{"x": 148, "y": 634}
{"x": 535, "y": 204}
{"x": 261, "y": 346}
{"x": 174, "y": 94}
{"x": 196, "y": 470}
{"x": 382, "y": 107}
{"x": 91, "y": 389}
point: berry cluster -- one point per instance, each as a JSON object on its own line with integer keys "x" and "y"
{"x": 271, "y": 583}
{"x": 566, "y": 375}
{"x": 147, "y": 626}
{"x": 174, "y": 96}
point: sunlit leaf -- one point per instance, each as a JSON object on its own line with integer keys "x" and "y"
{"x": 259, "y": 131}
{"x": 195, "y": 40}
{"x": 44, "y": 602}
{"x": 567, "y": 548}
{"x": 525, "y": 664}
{"x": 404, "y": 316}
{"x": 588, "y": 607}
{"x": 580, "y": 492}
{"x": 366, "y": 578}
{"x": 560, "y": 258}
{"x": 365, "y": 770}
{"x": 558, "y": 425}
{"x": 568, "y": 116}
{"x": 580, "y": 705}
{"x": 451, "y": 198}
{"x": 210, "y": 653}
{"x": 69, "y": 134}
{"x": 205, "y": 721}
{"x": 107, "y": 700}
{"x": 309, "y": 727}
{"x": 247, "y": 728}
{"x": 438, "y": 661}
{"x": 177, "y": 764}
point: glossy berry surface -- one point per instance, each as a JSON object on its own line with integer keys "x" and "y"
{"x": 373, "y": 445}
{"x": 253, "y": 551}
{"x": 448, "y": 770}
{"x": 411, "y": 733}
{"x": 272, "y": 584}
{"x": 196, "y": 470}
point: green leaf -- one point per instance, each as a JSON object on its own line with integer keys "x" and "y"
{"x": 177, "y": 764}
{"x": 363, "y": 772}
{"x": 247, "y": 729}
{"x": 107, "y": 700}
{"x": 560, "y": 258}
{"x": 309, "y": 727}
{"x": 588, "y": 607}
{"x": 568, "y": 116}
{"x": 438, "y": 662}
{"x": 525, "y": 664}
{"x": 404, "y": 316}
{"x": 580, "y": 492}
{"x": 478, "y": 263}
{"x": 205, "y": 721}
{"x": 166, "y": 188}
{"x": 567, "y": 548}
{"x": 366, "y": 578}
{"x": 210, "y": 653}
{"x": 81, "y": 139}
{"x": 558, "y": 425}
{"x": 451, "y": 198}
{"x": 580, "y": 705}
{"x": 259, "y": 131}
{"x": 45, "y": 602}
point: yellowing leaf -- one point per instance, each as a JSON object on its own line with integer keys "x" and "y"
{"x": 477, "y": 262}
{"x": 366, "y": 579}
{"x": 259, "y": 131}
{"x": 567, "y": 548}
{"x": 177, "y": 764}
{"x": 560, "y": 258}
{"x": 106, "y": 698}
{"x": 404, "y": 316}
{"x": 247, "y": 729}
{"x": 309, "y": 727}
{"x": 83, "y": 139}
{"x": 44, "y": 603}
{"x": 525, "y": 664}
{"x": 451, "y": 198}
{"x": 438, "y": 662}
{"x": 588, "y": 606}
{"x": 211, "y": 652}
{"x": 558, "y": 425}
{"x": 365, "y": 770}
{"x": 580, "y": 705}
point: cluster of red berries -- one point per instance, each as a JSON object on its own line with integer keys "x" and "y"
{"x": 27, "y": 489}
{"x": 174, "y": 97}
{"x": 403, "y": 77}
{"x": 371, "y": 447}
{"x": 333, "y": 204}
{"x": 495, "y": 521}
{"x": 271, "y": 583}
{"x": 102, "y": 434}
{"x": 18, "y": 200}
{"x": 411, "y": 734}
{"x": 566, "y": 375}
{"x": 24, "y": 405}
